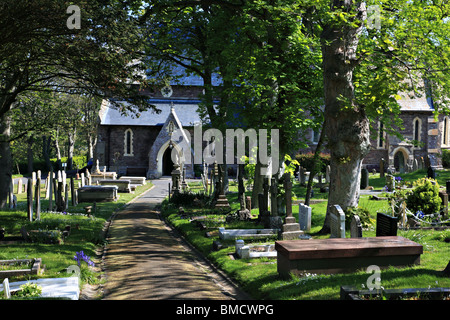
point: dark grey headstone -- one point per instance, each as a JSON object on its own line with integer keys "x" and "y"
{"x": 386, "y": 225}
{"x": 364, "y": 178}
{"x": 355, "y": 227}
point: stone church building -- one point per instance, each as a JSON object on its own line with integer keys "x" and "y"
{"x": 142, "y": 146}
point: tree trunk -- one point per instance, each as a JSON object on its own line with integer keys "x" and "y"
{"x": 257, "y": 184}
{"x": 71, "y": 147}
{"x": 46, "y": 145}
{"x": 58, "y": 152}
{"x": 314, "y": 168}
{"x": 5, "y": 159}
{"x": 347, "y": 121}
{"x": 92, "y": 141}
{"x": 30, "y": 157}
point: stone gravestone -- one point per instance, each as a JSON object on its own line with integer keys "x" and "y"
{"x": 364, "y": 178}
{"x": 390, "y": 182}
{"x": 337, "y": 222}
{"x": 302, "y": 174}
{"x": 386, "y": 225}
{"x": 30, "y": 200}
{"x": 72, "y": 191}
{"x": 244, "y": 213}
{"x": 304, "y": 217}
{"x": 382, "y": 168}
{"x": 415, "y": 165}
{"x": 263, "y": 211}
{"x": 444, "y": 197}
{"x": 276, "y": 222}
{"x": 19, "y": 186}
{"x": 431, "y": 173}
{"x": 248, "y": 203}
{"x": 355, "y": 227}
{"x": 222, "y": 200}
{"x": 327, "y": 174}
{"x": 291, "y": 229}
{"x": 6, "y": 290}
{"x": 11, "y": 194}
{"x": 273, "y": 198}
{"x": 83, "y": 182}
{"x": 240, "y": 176}
{"x": 37, "y": 195}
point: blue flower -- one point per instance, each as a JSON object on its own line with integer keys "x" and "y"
{"x": 419, "y": 214}
{"x": 398, "y": 179}
{"x": 81, "y": 256}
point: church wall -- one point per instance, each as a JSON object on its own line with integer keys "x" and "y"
{"x": 114, "y": 155}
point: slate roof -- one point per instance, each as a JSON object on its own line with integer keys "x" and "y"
{"x": 185, "y": 110}
{"x": 415, "y": 103}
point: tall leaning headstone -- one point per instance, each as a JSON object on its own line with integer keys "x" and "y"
{"x": 30, "y": 199}
{"x": 355, "y": 227}
{"x": 364, "y": 178}
{"x": 37, "y": 196}
{"x": 382, "y": 169}
{"x": 337, "y": 222}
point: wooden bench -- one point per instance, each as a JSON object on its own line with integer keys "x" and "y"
{"x": 344, "y": 255}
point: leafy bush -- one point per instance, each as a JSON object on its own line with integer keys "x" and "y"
{"x": 186, "y": 198}
{"x": 306, "y": 160}
{"x": 46, "y": 236}
{"x": 362, "y": 213}
{"x": 445, "y": 158}
{"x": 424, "y": 197}
{"x": 29, "y": 290}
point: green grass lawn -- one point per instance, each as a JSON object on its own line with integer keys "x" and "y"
{"x": 86, "y": 235}
{"x": 259, "y": 277}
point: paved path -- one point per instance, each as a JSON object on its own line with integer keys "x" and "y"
{"x": 146, "y": 260}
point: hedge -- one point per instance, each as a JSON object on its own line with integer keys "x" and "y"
{"x": 79, "y": 162}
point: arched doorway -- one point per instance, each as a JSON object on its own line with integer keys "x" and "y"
{"x": 167, "y": 163}
{"x": 399, "y": 162}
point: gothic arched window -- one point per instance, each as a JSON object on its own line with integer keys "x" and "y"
{"x": 128, "y": 143}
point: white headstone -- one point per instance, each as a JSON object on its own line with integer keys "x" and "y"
{"x": 82, "y": 179}
{"x": 19, "y": 186}
{"x": 33, "y": 178}
{"x": 304, "y": 217}
{"x": 6, "y": 289}
{"x": 337, "y": 222}
{"x": 327, "y": 174}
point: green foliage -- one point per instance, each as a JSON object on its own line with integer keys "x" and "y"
{"x": 445, "y": 158}
{"x": 29, "y": 290}
{"x": 424, "y": 197}
{"x": 362, "y": 213}
{"x": 186, "y": 198}
{"x": 306, "y": 160}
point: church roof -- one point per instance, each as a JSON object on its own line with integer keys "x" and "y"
{"x": 185, "y": 110}
{"x": 416, "y": 103}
